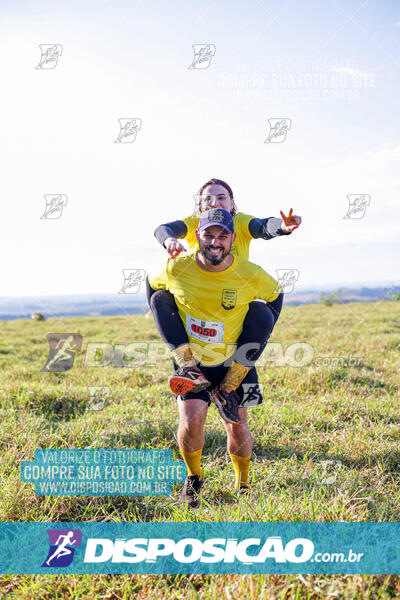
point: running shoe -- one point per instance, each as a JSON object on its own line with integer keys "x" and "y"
{"x": 227, "y": 404}
{"x": 191, "y": 491}
{"x": 187, "y": 379}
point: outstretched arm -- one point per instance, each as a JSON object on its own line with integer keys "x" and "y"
{"x": 272, "y": 226}
{"x": 167, "y": 235}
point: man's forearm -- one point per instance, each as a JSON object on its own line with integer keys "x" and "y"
{"x": 175, "y": 229}
{"x": 266, "y": 229}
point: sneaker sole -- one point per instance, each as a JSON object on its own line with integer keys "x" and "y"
{"x": 218, "y": 404}
{"x": 182, "y": 385}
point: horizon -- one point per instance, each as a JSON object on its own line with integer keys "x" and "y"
{"x": 103, "y": 305}
{"x": 141, "y": 294}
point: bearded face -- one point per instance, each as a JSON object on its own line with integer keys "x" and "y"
{"x": 215, "y": 244}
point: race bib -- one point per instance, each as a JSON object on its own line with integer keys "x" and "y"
{"x": 205, "y": 331}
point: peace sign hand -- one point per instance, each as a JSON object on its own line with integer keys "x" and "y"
{"x": 290, "y": 222}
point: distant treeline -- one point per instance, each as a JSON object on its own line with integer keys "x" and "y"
{"x": 129, "y": 304}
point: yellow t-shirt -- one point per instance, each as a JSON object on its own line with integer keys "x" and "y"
{"x": 243, "y": 236}
{"x": 213, "y": 305}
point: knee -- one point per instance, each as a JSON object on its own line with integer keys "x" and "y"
{"x": 263, "y": 317}
{"x": 192, "y": 425}
{"x": 240, "y": 434}
{"x": 160, "y": 297}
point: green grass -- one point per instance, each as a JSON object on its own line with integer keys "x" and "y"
{"x": 326, "y": 444}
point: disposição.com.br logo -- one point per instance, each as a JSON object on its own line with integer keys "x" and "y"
{"x": 248, "y": 550}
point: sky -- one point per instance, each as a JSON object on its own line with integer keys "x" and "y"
{"x": 330, "y": 68}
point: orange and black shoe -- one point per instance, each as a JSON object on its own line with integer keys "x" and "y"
{"x": 227, "y": 404}
{"x": 187, "y": 379}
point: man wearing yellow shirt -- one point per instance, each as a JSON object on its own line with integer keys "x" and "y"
{"x": 212, "y": 289}
{"x": 257, "y": 323}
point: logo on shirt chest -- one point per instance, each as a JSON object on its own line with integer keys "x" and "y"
{"x": 228, "y": 300}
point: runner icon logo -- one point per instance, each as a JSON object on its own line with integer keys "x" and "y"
{"x": 62, "y": 351}
{"x": 63, "y": 543}
{"x": 357, "y": 206}
{"x": 55, "y": 203}
{"x": 252, "y": 394}
{"x": 278, "y": 130}
{"x": 286, "y": 279}
{"x": 128, "y": 129}
{"x": 50, "y": 53}
{"x": 98, "y": 397}
{"x": 203, "y": 54}
{"x": 133, "y": 278}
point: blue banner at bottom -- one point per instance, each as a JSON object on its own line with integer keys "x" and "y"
{"x": 204, "y": 548}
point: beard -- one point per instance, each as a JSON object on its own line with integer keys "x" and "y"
{"x": 210, "y": 257}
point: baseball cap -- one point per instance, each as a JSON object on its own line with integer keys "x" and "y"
{"x": 216, "y": 216}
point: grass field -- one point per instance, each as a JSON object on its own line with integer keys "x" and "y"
{"x": 326, "y": 444}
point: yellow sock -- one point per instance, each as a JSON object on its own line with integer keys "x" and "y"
{"x": 241, "y": 464}
{"x": 234, "y": 377}
{"x": 183, "y": 356}
{"x": 192, "y": 460}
